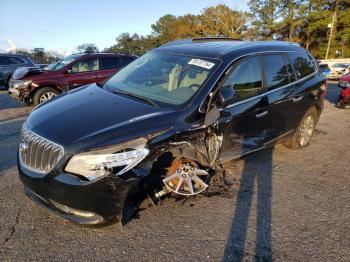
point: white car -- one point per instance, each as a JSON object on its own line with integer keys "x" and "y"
{"x": 339, "y": 69}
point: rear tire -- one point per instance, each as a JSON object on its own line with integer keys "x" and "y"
{"x": 302, "y": 136}
{"x": 44, "y": 94}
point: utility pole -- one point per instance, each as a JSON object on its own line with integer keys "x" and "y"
{"x": 335, "y": 14}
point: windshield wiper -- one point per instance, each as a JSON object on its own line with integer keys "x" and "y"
{"x": 144, "y": 99}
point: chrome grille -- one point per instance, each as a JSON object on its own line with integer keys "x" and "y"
{"x": 37, "y": 153}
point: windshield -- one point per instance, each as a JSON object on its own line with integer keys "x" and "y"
{"x": 162, "y": 77}
{"x": 61, "y": 63}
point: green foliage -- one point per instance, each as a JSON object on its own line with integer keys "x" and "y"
{"x": 134, "y": 44}
{"x": 302, "y": 21}
{"x": 219, "y": 20}
{"x": 305, "y": 22}
{"x": 39, "y": 56}
{"x": 88, "y": 47}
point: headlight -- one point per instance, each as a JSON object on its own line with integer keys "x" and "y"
{"x": 22, "y": 84}
{"x": 96, "y": 164}
{"x": 344, "y": 84}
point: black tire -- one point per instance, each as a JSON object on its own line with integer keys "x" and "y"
{"x": 43, "y": 92}
{"x": 302, "y": 136}
{"x": 7, "y": 82}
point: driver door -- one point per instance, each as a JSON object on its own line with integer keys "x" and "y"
{"x": 243, "y": 123}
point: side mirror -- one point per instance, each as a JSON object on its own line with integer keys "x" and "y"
{"x": 69, "y": 71}
{"x": 226, "y": 96}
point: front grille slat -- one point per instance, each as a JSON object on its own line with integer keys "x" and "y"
{"x": 37, "y": 153}
{"x": 44, "y": 152}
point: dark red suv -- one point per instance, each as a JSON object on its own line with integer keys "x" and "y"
{"x": 35, "y": 85}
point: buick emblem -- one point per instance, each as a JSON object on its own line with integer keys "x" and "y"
{"x": 23, "y": 147}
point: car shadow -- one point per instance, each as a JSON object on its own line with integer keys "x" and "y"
{"x": 9, "y": 140}
{"x": 256, "y": 174}
{"x": 254, "y": 203}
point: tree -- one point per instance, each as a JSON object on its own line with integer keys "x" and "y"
{"x": 164, "y": 29}
{"x": 39, "y": 56}
{"x": 188, "y": 26}
{"x": 221, "y": 20}
{"x": 343, "y": 29}
{"x": 87, "y": 47}
{"x": 302, "y": 21}
{"x": 265, "y": 14}
{"x": 133, "y": 44}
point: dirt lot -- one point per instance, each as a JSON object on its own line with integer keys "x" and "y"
{"x": 285, "y": 206}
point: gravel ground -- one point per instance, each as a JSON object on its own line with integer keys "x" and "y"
{"x": 286, "y": 205}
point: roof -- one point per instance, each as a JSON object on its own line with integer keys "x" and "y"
{"x": 219, "y": 47}
{"x": 9, "y": 54}
{"x": 106, "y": 53}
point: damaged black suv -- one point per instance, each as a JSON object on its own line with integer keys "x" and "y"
{"x": 167, "y": 123}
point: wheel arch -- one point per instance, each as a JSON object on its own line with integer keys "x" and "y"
{"x": 40, "y": 86}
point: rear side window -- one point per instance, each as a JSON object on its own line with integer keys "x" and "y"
{"x": 107, "y": 63}
{"x": 15, "y": 60}
{"x": 245, "y": 79}
{"x": 303, "y": 64}
{"x": 128, "y": 60}
{"x": 276, "y": 71}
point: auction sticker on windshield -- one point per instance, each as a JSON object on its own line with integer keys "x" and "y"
{"x": 201, "y": 63}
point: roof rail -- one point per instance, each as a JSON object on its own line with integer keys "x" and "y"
{"x": 106, "y": 52}
{"x": 205, "y": 39}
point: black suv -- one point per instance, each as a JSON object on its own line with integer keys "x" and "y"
{"x": 166, "y": 123}
{"x": 8, "y": 64}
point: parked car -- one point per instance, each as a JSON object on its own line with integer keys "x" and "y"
{"x": 36, "y": 85}
{"x": 344, "y": 97}
{"x": 166, "y": 123}
{"x": 8, "y": 64}
{"x": 42, "y": 66}
{"x": 325, "y": 70}
{"x": 338, "y": 70}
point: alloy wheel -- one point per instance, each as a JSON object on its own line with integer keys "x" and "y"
{"x": 306, "y": 130}
{"x": 46, "y": 97}
{"x": 185, "y": 179}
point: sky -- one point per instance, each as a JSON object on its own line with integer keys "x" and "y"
{"x": 62, "y": 25}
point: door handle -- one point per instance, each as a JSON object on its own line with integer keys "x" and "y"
{"x": 297, "y": 99}
{"x": 261, "y": 114}
{"x": 96, "y": 76}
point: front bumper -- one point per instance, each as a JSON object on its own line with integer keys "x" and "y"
{"x": 14, "y": 92}
{"x": 86, "y": 203}
{"x": 20, "y": 92}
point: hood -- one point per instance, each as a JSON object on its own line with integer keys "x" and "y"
{"x": 93, "y": 117}
{"x": 23, "y": 72}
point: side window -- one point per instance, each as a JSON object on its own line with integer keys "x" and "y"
{"x": 15, "y": 60}
{"x": 86, "y": 66}
{"x": 291, "y": 73}
{"x": 303, "y": 64}
{"x": 3, "y": 60}
{"x": 245, "y": 78}
{"x": 276, "y": 71}
{"x": 127, "y": 60}
{"x": 107, "y": 63}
